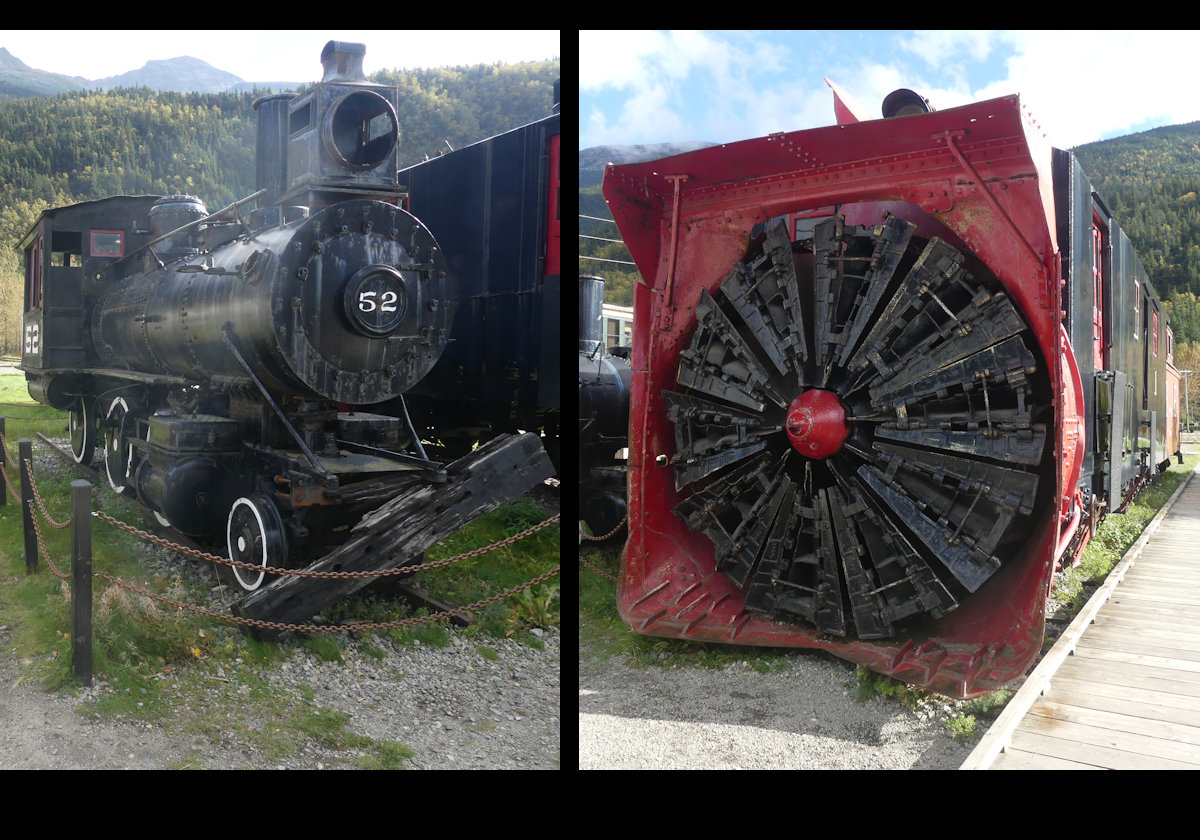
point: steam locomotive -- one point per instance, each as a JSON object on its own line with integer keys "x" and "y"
{"x": 245, "y": 371}
{"x": 889, "y": 377}
{"x": 604, "y": 382}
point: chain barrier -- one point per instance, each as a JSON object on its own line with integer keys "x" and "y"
{"x": 42, "y": 505}
{"x": 9, "y": 459}
{"x": 353, "y": 626}
{"x": 37, "y": 530}
{"x": 279, "y": 570}
{"x": 589, "y": 538}
{"x": 349, "y": 627}
{"x": 597, "y": 570}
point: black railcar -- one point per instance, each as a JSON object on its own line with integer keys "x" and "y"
{"x": 495, "y": 205}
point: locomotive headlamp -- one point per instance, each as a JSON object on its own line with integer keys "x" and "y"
{"x": 361, "y": 130}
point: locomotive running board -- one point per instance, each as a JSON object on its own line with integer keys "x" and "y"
{"x": 397, "y": 533}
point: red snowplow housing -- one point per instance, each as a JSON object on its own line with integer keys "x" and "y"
{"x": 977, "y": 176}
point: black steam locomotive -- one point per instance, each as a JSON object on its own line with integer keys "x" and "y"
{"x": 245, "y": 371}
{"x": 605, "y": 380}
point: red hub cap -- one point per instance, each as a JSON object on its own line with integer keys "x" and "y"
{"x": 816, "y": 423}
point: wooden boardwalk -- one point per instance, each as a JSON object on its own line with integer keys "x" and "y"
{"x": 1121, "y": 688}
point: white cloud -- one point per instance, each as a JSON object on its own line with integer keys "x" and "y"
{"x": 723, "y": 86}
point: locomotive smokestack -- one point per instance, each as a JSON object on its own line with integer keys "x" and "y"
{"x": 904, "y": 103}
{"x": 343, "y": 62}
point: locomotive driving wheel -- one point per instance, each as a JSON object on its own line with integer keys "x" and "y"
{"x": 855, "y": 427}
{"x": 120, "y": 458}
{"x": 255, "y": 535}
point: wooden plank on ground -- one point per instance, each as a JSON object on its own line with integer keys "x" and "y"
{"x": 401, "y": 530}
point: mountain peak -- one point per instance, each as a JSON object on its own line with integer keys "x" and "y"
{"x": 183, "y": 73}
{"x": 9, "y": 60}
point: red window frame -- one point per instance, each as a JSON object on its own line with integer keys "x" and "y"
{"x": 33, "y": 275}
{"x": 105, "y": 252}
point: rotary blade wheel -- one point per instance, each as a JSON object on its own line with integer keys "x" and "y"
{"x": 855, "y": 427}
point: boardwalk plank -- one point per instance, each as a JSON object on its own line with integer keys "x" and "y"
{"x": 1066, "y": 747}
{"x": 1120, "y": 724}
{"x": 1121, "y": 688}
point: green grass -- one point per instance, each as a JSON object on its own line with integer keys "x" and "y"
{"x": 1115, "y": 536}
{"x": 604, "y": 635}
{"x": 161, "y": 664}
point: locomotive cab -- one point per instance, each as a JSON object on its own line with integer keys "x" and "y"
{"x": 63, "y": 253}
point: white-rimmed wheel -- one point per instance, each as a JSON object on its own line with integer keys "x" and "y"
{"x": 255, "y": 535}
{"x": 82, "y": 427}
{"x": 118, "y": 454}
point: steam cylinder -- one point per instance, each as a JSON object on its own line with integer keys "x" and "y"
{"x": 348, "y": 305}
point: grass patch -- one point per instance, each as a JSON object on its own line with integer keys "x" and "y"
{"x": 1115, "y": 536}
{"x": 604, "y": 635}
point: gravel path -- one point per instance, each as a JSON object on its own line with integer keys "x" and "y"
{"x": 454, "y": 708}
{"x": 801, "y": 718}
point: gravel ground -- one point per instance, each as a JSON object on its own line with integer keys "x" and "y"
{"x": 735, "y": 718}
{"x": 453, "y": 706}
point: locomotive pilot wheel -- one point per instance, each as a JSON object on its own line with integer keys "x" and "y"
{"x": 855, "y": 427}
{"x": 82, "y": 428}
{"x": 255, "y": 535}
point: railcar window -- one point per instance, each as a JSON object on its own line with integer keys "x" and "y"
{"x": 66, "y": 246}
{"x": 108, "y": 243}
{"x": 1137, "y": 300}
{"x": 1155, "y": 333}
{"x": 300, "y": 119}
{"x": 33, "y": 275}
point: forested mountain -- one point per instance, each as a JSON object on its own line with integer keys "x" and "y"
{"x": 1151, "y": 181}
{"x": 84, "y": 145}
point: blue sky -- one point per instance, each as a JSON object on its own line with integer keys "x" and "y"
{"x": 270, "y": 55}
{"x": 652, "y": 86}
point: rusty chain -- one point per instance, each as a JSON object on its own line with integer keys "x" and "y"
{"x": 42, "y": 505}
{"x": 589, "y": 538}
{"x": 279, "y": 570}
{"x": 597, "y": 570}
{"x": 350, "y": 627}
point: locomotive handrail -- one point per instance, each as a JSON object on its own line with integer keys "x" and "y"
{"x": 227, "y": 337}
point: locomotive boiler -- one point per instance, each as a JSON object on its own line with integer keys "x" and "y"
{"x": 888, "y": 377}
{"x": 244, "y": 371}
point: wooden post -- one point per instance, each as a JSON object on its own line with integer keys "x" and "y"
{"x": 25, "y": 453}
{"x": 81, "y": 579}
{"x": 3, "y": 463}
